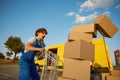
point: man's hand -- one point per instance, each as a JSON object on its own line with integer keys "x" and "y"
{"x": 42, "y": 49}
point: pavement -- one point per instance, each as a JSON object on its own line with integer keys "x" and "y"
{"x": 9, "y": 72}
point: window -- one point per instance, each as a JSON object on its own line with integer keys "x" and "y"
{"x": 54, "y": 50}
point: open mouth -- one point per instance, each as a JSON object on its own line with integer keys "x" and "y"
{"x": 43, "y": 37}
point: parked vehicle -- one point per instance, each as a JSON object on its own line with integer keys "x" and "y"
{"x": 102, "y": 61}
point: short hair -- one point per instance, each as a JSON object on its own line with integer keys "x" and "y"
{"x": 42, "y": 30}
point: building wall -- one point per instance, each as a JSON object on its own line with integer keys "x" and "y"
{"x": 117, "y": 57}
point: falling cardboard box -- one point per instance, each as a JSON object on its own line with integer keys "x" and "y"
{"x": 105, "y": 26}
{"x": 86, "y": 28}
{"x": 79, "y": 36}
{"x": 76, "y": 69}
{"x": 79, "y": 49}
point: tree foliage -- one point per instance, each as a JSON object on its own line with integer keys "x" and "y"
{"x": 9, "y": 54}
{"x": 14, "y": 44}
{"x": 2, "y": 56}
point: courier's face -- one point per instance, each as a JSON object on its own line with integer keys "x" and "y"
{"x": 41, "y": 35}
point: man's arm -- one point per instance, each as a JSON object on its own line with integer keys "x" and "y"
{"x": 29, "y": 46}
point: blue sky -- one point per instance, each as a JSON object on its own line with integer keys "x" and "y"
{"x": 21, "y": 18}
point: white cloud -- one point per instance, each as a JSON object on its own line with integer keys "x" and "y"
{"x": 88, "y": 4}
{"x": 82, "y": 19}
{"x": 80, "y": 10}
{"x": 71, "y": 13}
{"x": 107, "y": 13}
{"x": 92, "y": 4}
{"x": 103, "y": 3}
{"x": 92, "y": 16}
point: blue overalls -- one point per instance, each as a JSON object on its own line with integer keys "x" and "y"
{"x": 28, "y": 70}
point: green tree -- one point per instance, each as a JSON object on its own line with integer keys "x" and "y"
{"x": 2, "y": 56}
{"x": 9, "y": 54}
{"x": 16, "y": 58}
{"x": 14, "y": 44}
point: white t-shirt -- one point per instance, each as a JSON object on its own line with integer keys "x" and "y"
{"x": 32, "y": 41}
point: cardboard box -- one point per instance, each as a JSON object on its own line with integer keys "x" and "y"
{"x": 112, "y": 78}
{"x": 79, "y": 36}
{"x": 115, "y": 73}
{"x": 76, "y": 69}
{"x": 63, "y": 78}
{"x": 86, "y": 28}
{"x": 105, "y": 26}
{"x": 79, "y": 49}
{"x": 103, "y": 75}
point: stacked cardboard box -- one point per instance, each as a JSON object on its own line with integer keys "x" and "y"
{"x": 76, "y": 69}
{"x": 79, "y": 35}
{"x": 103, "y": 75}
{"x": 107, "y": 76}
{"x": 79, "y": 53}
{"x": 79, "y": 50}
{"x": 112, "y": 78}
{"x": 115, "y": 75}
{"x": 86, "y": 28}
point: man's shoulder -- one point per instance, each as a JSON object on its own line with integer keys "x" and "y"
{"x": 32, "y": 39}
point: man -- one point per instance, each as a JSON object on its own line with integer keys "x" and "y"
{"x": 28, "y": 69}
